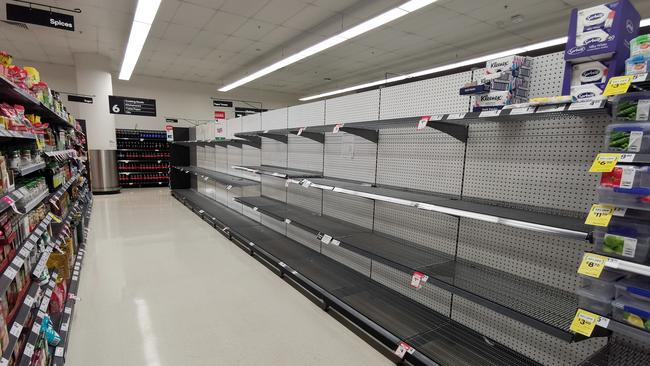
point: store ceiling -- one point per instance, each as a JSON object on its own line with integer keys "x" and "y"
{"x": 218, "y": 41}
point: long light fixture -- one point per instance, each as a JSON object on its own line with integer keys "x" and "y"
{"x": 364, "y": 27}
{"x": 144, "y": 16}
{"x": 437, "y": 69}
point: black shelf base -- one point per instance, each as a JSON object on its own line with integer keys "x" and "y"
{"x": 381, "y": 312}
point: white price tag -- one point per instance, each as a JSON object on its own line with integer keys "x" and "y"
{"x": 422, "y": 123}
{"x": 418, "y": 280}
{"x": 627, "y": 178}
{"x": 75, "y": 278}
{"x": 337, "y": 127}
{"x": 626, "y": 158}
{"x": 335, "y": 242}
{"x": 10, "y": 272}
{"x": 437, "y": 117}
{"x": 16, "y": 329}
{"x": 551, "y": 108}
{"x": 603, "y": 322}
{"x": 29, "y": 245}
{"x": 305, "y": 183}
{"x": 41, "y": 314}
{"x": 287, "y": 221}
{"x": 639, "y": 77}
{"x": 282, "y": 265}
{"x": 456, "y": 116}
{"x": 255, "y": 208}
{"x": 38, "y": 231}
{"x": 590, "y": 104}
{"x": 24, "y": 252}
{"x": 228, "y": 187}
{"x": 403, "y": 349}
{"x": 612, "y": 263}
{"x": 67, "y": 310}
{"x": 326, "y": 239}
{"x": 29, "y": 301}
{"x": 64, "y": 327}
{"x": 492, "y": 113}
{"x": 36, "y": 327}
{"x": 634, "y": 145}
{"x": 29, "y": 350}
{"x": 300, "y": 131}
{"x": 518, "y": 111}
{"x": 59, "y": 351}
{"x": 48, "y": 293}
{"x": 18, "y": 261}
{"x": 201, "y": 211}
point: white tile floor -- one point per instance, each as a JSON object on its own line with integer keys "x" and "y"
{"x": 159, "y": 287}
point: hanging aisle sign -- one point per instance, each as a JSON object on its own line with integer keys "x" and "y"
{"x": 222, "y": 103}
{"x": 132, "y": 106}
{"x": 45, "y": 18}
{"x": 80, "y": 99}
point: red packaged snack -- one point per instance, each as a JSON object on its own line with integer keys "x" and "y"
{"x": 613, "y": 178}
{"x": 57, "y": 300}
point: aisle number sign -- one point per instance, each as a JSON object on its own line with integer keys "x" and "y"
{"x": 600, "y": 215}
{"x": 618, "y": 85}
{"x": 604, "y": 163}
{"x": 584, "y": 322}
{"x": 592, "y": 265}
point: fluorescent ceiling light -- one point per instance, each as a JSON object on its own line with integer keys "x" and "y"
{"x": 364, "y": 27}
{"x": 144, "y": 16}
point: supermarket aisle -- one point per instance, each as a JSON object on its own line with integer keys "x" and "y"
{"x": 159, "y": 287}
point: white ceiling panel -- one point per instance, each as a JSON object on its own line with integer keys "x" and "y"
{"x": 180, "y": 33}
{"x": 196, "y": 52}
{"x": 254, "y": 29}
{"x": 225, "y": 23}
{"x": 281, "y": 35}
{"x": 208, "y": 39}
{"x": 158, "y": 29}
{"x": 278, "y": 11}
{"x": 309, "y": 16}
{"x": 191, "y": 15}
{"x": 213, "y": 4}
{"x": 167, "y": 10}
{"x": 234, "y": 44}
{"x": 246, "y": 8}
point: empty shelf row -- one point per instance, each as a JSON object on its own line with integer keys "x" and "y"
{"x": 387, "y": 315}
{"x": 225, "y": 179}
{"x": 569, "y": 225}
{"x": 541, "y": 306}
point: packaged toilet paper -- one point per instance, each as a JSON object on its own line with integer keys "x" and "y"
{"x": 589, "y": 73}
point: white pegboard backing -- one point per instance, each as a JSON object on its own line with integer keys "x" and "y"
{"x": 547, "y": 75}
{"x": 274, "y": 152}
{"x": 425, "y": 97}
{"x": 543, "y": 258}
{"x": 422, "y": 160}
{"x": 308, "y": 114}
{"x": 210, "y": 157}
{"x": 348, "y": 258}
{"x": 232, "y": 193}
{"x": 355, "y": 210}
{"x": 427, "y": 228}
{"x": 221, "y": 194}
{"x": 273, "y": 187}
{"x": 200, "y": 157}
{"x": 305, "y": 154}
{"x": 539, "y": 346}
{"x": 303, "y": 237}
{"x": 353, "y": 108}
{"x": 273, "y": 224}
{"x": 275, "y": 119}
{"x": 543, "y": 165}
{"x": 233, "y": 126}
{"x": 234, "y": 158}
{"x": 309, "y": 199}
{"x": 350, "y": 157}
{"x": 251, "y": 122}
{"x": 251, "y": 156}
{"x": 251, "y": 214}
{"x": 221, "y": 158}
{"x": 428, "y": 295}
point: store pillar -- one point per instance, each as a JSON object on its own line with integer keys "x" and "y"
{"x": 94, "y": 78}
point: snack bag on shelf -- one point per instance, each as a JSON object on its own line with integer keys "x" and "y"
{"x": 5, "y": 59}
{"x": 33, "y": 76}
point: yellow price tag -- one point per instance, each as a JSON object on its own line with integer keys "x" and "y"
{"x": 55, "y": 218}
{"x": 604, "y": 163}
{"x": 600, "y": 215}
{"x": 592, "y": 265}
{"x": 618, "y": 85}
{"x": 584, "y": 322}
